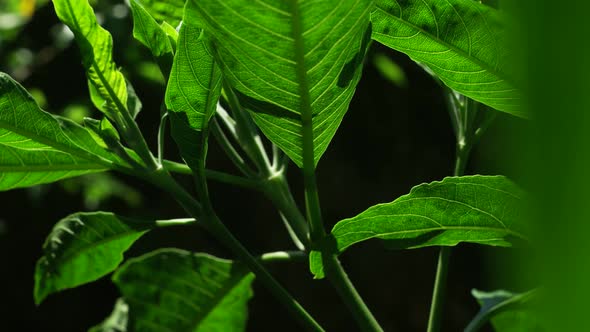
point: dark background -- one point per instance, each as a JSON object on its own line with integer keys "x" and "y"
{"x": 391, "y": 139}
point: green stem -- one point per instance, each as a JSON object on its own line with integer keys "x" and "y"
{"x": 334, "y": 271}
{"x": 277, "y": 190}
{"x": 247, "y": 134}
{"x": 227, "y": 238}
{"x": 135, "y": 139}
{"x": 461, "y": 159}
{"x": 349, "y": 295}
{"x": 161, "y": 136}
{"x": 222, "y": 177}
{"x": 209, "y": 220}
{"x": 444, "y": 256}
{"x": 438, "y": 295}
{"x": 229, "y": 149}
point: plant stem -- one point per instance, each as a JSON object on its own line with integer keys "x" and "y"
{"x": 438, "y": 295}
{"x": 215, "y": 226}
{"x": 444, "y": 255}
{"x": 161, "y": 136}
{"x": 461, "y": 159}
{"x": 247, "y": 134}
{"x": 227, "y": 238}
{"x": 239, "y": 181}
{"x": 277, "y": 190}
{"x": 229, "y": 149}
{"x": 349, "y": 295}
{"x": 335, "y": 272}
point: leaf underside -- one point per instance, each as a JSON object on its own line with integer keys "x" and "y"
{"x": 462, "y": 42}
{"x": 485, "y": 210}
{"x": 174, "y": 290}
{"x": 289, "y": 58}
{"x": 37, "y": 147}
{"x": 82, "y": 248}
{"x": 192, "y": 93}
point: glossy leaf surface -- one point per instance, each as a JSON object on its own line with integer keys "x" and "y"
{"x": 286, "y": 59}
{"x": 82, "y": 248}
{"x": 192, "y": 93}
{"x": 462, "y": 42}
{"x": 37, "y": 147}
{"x": 96, "y": 48}
{"x": 477, "y": 209}
{"x": 175, "y": 290}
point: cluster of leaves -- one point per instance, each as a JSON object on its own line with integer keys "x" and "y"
{"x": 290, "y": 69}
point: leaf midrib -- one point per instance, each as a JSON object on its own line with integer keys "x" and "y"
{"x": 306, "y": 112}
{"x": 44, "y": 168}
{"x": 99, "y": 72}
{"x": 459, "y": 51}
{"x": 431, "y": 229}
{"x": 80, "y": 153}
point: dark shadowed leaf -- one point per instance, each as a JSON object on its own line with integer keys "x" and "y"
{"x": 477, "y": 209}
{"x": 175, "y": 290}
{"x": 288, "y": 60}
{"x": 462, "y": 42}
{"x": 82, "y": 248}
{"x": 37, "y": 147}
{"x": 508, "y": 312}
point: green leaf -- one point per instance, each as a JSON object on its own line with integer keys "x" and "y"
{"x": 171, "y": 33}
{"x": 37, "y": 147}
{"x": 82, "y": 248}
{"x": 96, "y": 46}
{"x": 175, "y": 290}
{"x": 461, "y": 41}
{"x": 508, "y": 312}
{"x": 289, "y": 61}
{"x": 152, "y": 35}
{"x": 117, "y": 321}
{"x": 477, "y": 209}
{"x": 148, "y": 31}
{"x": 192, "y": 93}
{"x": 170, "y": 11}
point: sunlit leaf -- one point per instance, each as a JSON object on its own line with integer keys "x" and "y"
{"x": 152, "y": 35}
{"x": 37, "y": 147}
{"x": 461, "y": 41}
{"x": 170, "y": 11}
{"x": 82, "y": 248}
{"x": 477, "y": 209}
{"x": 175, "y": 290}
{"x": 193, "y": 90}
{"x": 290, "y": 60}
{"x": 96, "y": 47}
